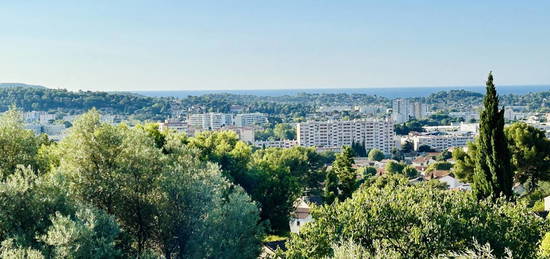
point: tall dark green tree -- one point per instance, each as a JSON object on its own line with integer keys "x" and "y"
{"x": 359, "y": 149}
{"x": 493, "y": 175}
{"x": 330, "y": 189}
{"x": 343, "y": 168}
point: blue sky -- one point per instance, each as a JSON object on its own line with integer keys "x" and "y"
{"x": 184, "y": 45}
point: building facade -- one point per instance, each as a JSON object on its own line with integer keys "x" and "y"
{"x": 333, "y": 135}
{"x": 250, "y": 119}
{"x": 403, "y": 110}
{"x": 175, "y": 125}
{"x": 442, "y": 142}
{"x": 210, "y": 121}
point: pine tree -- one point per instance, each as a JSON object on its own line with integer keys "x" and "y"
{"x": 343, "y": 168}
{"x": 492, "y": 174}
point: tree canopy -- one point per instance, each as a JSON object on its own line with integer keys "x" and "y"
{"x": 113, "y": 191}
{"x": 376, "y": 155}
{"x": 418, "y": 221}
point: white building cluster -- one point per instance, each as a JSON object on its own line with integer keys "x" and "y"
{"x": 241, "y": 124}
{"x": 250, "y": 119}
{"x": 55, "y": 125}
{"x": 441, "y": 142}
{"x": 209, "y": 121}
{"x": 454, "y": 128}
{"x": 515, "y": 113}
{"x": 332, "y": 135}
{"x": 214, "y": 121}
{"x": 404, "y": 110}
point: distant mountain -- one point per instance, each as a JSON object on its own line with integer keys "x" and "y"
{"x": 13, "y": 85}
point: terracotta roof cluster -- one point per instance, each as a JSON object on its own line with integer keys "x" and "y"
{"x": 436, "y": 174}
{"x": 422, "y": 159}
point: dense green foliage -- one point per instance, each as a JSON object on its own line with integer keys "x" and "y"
{"x": 17, "y": 144}
{"x": 464, "y": 100}
{"x": 109, "y": 191}
{"x": 43, "y": 99}
{"x": 341, "y": 181}
{"x": 369, "y": 172}
{"x": 273, "y": 177}
{"x": 418, "y": 221}
{"x": 376, "y": 155}
{"x": 465, "y": 161}
{"x": 281, "y": 131}
{"x": 443, "y": 96}
{"x": 415, "y": 125}
{"x": 530, "y": 151}
{"x": 530, "y": 156}
{"x": 545, "y": 245}
{"x": 393, "y": 167}
{"x": 359, "y": 149}
{"x": 440, "y": 165}
{"x": 493, "y": 172}
{"x": 114, "y": 191}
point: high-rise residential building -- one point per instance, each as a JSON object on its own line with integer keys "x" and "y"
{"x": 210, "y": 121}
{"x": 250, "y": 119}
{"x": 404, "y": 110}
{"x": 373, "y": 133}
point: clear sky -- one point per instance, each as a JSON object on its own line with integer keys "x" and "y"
{"x": 198, "y": 45}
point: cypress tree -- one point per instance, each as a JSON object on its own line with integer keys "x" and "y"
{"x": 493, "y": 172}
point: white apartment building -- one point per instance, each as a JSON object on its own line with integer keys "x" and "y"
{"x": 210, "y": 121}
{"x": 334, "y": 108}
{"x": 404, "y": 110}
{"x": 249, "y": 119}
{"x": 454, "y": 128}
{"x": 370, "y": 109}
{"x": 333, "y": 135}
{"x": 175, "y": 125}
{"x": 246, "y": 134}
{"x": 39, "y": 116}
{"x": 515, "y": 113}
{"x": 442, "y": 142}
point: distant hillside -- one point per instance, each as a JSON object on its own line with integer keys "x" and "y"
{"x": 14, "y": 85}
{"x": 45, "y": 99}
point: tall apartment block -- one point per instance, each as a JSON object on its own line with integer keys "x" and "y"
{"x": 250, "y": 119}
{"x": 404, "y": 110}
{"x": 210, "y": 121}
{"x": 332, "y": 135}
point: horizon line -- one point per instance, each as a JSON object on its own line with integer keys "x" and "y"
{"x": 343, "y": 88}
{"x": 282, "y": 89}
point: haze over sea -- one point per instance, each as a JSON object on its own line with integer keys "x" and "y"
{"x": 389, "y": 92}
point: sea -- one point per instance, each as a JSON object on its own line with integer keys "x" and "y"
{"x": 388, "y": 92}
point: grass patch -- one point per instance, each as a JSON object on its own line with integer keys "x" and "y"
{"x": 277, "y": 237}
